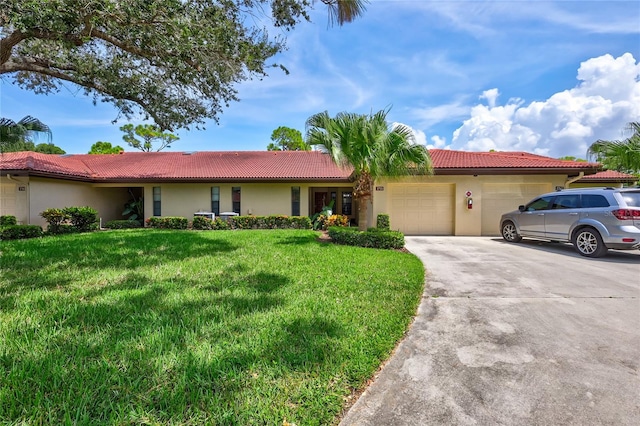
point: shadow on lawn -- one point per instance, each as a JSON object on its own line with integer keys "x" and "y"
{"x": 146, "y": 348}
{"x": 53, "y": 261}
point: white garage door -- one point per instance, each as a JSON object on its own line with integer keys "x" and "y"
{"x": 422, "y": 209}
{"x": 499, "y": 198}
{"x": 7, "y": 199}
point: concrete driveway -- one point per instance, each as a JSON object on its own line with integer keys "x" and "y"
{"x": 514, "y": 334}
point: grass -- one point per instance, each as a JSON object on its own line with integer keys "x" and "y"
{"x": 185, "y": 327}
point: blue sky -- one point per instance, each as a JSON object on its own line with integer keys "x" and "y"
{"x": 549, "y": 77}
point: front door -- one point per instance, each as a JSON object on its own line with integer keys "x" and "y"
{"x": 320, "y": 199}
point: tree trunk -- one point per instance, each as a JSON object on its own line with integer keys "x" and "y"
{"x": 362, "y": 193}
{"x": 363, "y": 213}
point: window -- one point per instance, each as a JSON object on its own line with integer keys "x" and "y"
{"x": 157, "y": 211}
{"x": 346, "y": 203}
{"x": 541, "y": 203}
{"x": 215, "y": 200}
{"x": 235, "y": 199}
{"x": 593, "y": 200}
{"x": 334, "y": 197}
{"x": 569, "y": 201}
{"x": 295, "y": 201}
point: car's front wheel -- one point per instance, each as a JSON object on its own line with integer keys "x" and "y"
{"x": 588, "y": 242}
{"x": 510, "y": 233}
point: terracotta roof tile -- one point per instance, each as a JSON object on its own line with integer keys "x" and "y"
{"x": 610, "y": 175}
{"x": 55, "y": 164}
{"x": 254, "y": 165}
{"x": 448, "y": 159}
{"x": 227, "y": 165}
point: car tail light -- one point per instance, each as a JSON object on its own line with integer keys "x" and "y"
{"x": 626, "y": 214}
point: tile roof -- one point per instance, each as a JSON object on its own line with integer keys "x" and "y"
{"x": 179, "y": 166}
{"x": 610, "y": 176}
{"x": 260, "y": 165}
{"x": 449, "y": 159}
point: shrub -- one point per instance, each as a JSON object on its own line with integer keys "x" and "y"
{"x": 220, "y": 224}
{"x": 122, "y": 224}
{"x": 55, "y": 218}
{"x": 323, "y": 221}
{"x": 8, "y": 220}
{"x": 375, "y": 239}
{"x": 18, "y": 232}
{"x": 201, "y": 222}
{"x": 83, "y": 219}
{"x": 383, "y": 221}
{"x": 337, "y": 220}
{"x": 243, "y": 222}
{"x": 269, "y": 222}
{"x": 168, "y": 222}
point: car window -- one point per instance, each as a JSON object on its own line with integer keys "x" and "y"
{"x": 632, "y": 199}
{"x": 542, "y": 203}
{"x": 593, "y": 200}
{"x": 569, "y": 201}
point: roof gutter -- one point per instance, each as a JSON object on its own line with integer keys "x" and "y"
{"x": 569, "y": 181}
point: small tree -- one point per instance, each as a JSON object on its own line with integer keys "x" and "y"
{"x": 105, "y": 148}
{"x": 287, "y": 139}
{"x": 148, "y": 134}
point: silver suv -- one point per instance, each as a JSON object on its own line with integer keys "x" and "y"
{"x": 592, "y": 219}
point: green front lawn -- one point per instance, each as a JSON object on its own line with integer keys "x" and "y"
{"x": 187, "y": 327}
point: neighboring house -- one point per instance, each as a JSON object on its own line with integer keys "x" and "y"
{"x": 282, "y": 182}
{"x": 607, "y": 178}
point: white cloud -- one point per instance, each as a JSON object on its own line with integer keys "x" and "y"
{"x": 437, "y": 142}
{"x": 607, "y": 97}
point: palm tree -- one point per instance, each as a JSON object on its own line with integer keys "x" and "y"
{"x": 343, "y": 11}
{"x": 24, "y": 132}
{"x": 624, "y": 155}
{"x": 372, "y": 147}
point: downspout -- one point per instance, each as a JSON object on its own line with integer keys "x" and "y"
{"x": 573, "y": 179}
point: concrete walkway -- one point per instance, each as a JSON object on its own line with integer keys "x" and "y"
{"x": 514, "y": 334}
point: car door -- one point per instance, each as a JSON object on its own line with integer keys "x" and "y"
{"x": 531, "y": 219}
{"x": 564, "y": 212}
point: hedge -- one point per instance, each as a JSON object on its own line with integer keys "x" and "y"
{"x": 18, "y": 232}
{"x": 123, "y": 224}
{"x": 204, "y": 223}
{"x": 374, "y": 238}
{"x": 269, "y": 222}
{"x": 168, "y": 222}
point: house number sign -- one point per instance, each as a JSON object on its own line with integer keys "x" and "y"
{"x": 379, "y": 188}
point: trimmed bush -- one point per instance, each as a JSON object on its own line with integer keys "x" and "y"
{"x": 269, "y": 222}
{"x": 383, "y": 221}
{"x": 18, "y": 232}
{"x": 168, "y": 222}
{"x": 123, "y": 224}
{"x": 374, "y": 238}
{"x": 70, "y": 219}
{"x": 8, "y": 220}
{"x": 55, "y": 219}
{"x": 83, "y": 219}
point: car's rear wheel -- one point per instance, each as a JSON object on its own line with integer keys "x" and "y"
{"x": 588, "y": 242}
{"x": 510, "y": 233}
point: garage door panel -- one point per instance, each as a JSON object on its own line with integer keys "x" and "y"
{"x": 499, "y": 198}
{"x": 422, "y": 209}
{"x": 8, "y": 199}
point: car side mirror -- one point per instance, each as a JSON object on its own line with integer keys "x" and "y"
{"x": 521, "y": 208}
